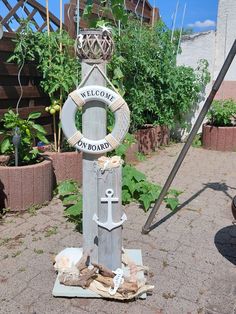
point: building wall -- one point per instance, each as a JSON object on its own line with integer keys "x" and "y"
{"x": 225, "y": 36}
{"x": 214, "y": 47}
{"x": 194, "y": 48}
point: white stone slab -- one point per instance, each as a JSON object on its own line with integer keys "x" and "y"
{"x": 60, "y": 290}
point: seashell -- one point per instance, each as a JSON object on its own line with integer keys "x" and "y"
{"x": 67, "y": 259}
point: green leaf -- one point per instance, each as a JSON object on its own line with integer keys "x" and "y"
{"x": 172, "y": 203}
{"x": 126, "y": 197}
{"x": 139, "y": 176}
{"x": 74, "y": 210}
{"x": 39, "y": 128}
{"x": 34, "y": 115}
{"x": 118, "y": 74}
{"x": 42, "y": 138}
{"x": 145, "y": 200}
{"x": 5, "y": 145}
{"x": 67, "y": 188}
{"x": 70, "y": 199}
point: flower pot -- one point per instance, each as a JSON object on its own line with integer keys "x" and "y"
{"x": 66, "y": 165}
{"x": 21, "y": 187}
{"x": 131, "y": 154}
{"x": 151, "y": 137}
{"x": 219, "y": 138}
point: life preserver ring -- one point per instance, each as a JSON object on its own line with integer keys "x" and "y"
{"x": 115, "y": 103}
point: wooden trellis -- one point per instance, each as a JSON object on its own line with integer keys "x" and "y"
{"x": 30, "y": 9}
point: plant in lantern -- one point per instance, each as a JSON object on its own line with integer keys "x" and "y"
{"x": 219, "y": 133}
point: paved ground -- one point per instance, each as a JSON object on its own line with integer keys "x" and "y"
{"x": 191, "y": 254}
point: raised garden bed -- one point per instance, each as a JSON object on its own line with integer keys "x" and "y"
{"x": 219, "y": 138}
{"x": 22, "y": 187}
{"x": 66, "y": 165}
{"x": 151, "y": 137}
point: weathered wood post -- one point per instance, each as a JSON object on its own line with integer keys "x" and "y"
{"x": 110, "y": 216}
{"x": 94, "y": 127}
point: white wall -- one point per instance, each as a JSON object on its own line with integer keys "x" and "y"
{"x": 225, "y": 36}
{"x": 195, "y": 47}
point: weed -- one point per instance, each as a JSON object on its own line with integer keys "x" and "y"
{"x": 17, "y": 253}
{"x": 4, "y": 241}
{"x": 141, "y": 156}
{"x": 168, "y": 295}
{"x": 197, "y": 141}
{"x": 51, "y": 231}
{"x": 165, "y": 264}
{"x": 38, "y": 251}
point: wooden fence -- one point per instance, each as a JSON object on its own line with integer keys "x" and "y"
{"x": 139, "y": 8}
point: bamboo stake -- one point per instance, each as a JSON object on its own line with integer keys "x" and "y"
{"x": 47, "y": 15}
{"x": 54, "y": 120}
{"x": 54, "y": 131}
{"x": 61, "y": 98}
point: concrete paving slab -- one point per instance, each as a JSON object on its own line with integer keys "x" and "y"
{"x": 191, "y": 254}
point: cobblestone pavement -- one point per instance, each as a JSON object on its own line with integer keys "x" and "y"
{"x": 191, "y": 254}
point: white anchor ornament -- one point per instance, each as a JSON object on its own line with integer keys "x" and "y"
{"x": 109, "y": 224}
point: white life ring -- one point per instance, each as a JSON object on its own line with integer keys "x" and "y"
{"x": 115, "y": 103}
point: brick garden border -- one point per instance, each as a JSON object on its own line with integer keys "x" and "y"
{"x": 21, "y": 187}
{"x": 219, "y": 138}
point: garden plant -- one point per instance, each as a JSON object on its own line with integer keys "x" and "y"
{"x": 222, "y": 113}
{"x": 28, "y": 130}
{"x": 54, "y": 56}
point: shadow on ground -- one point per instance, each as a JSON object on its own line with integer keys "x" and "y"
{"x": 216, "y": 186}
{"x": 225, "y": 242}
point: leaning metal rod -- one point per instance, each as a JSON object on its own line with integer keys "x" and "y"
{"x": 147, "y": 227}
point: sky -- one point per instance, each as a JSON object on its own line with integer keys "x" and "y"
{"x": 200, "y": 14}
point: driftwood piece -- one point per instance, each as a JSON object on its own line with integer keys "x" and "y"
{"x": 83, "y": 262}
{"x": 99, "y": 288}
{"x": 83, "y": 280}
{"x": 125, "y": 287}
{"x": 103, "y": 270}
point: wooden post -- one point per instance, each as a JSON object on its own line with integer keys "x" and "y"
{"x": 94, "y": 127}
{"x": 109, "y": 241}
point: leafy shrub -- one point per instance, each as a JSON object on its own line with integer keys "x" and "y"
{"x": 28, "y": 131}
{"x": 144, "y": 69}
{"x": 135, "y": 187}
{"x": 71, "y": 197}
{"x": 222, "y": 113}
{"x": 59, "y": 67}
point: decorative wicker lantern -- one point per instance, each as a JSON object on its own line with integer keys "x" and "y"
{"x": 94, "y": 44}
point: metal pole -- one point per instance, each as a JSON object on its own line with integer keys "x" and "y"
{"x": 181, "y": 29}
{"x": 174, "y": 21}
{"x": 147, "y": 227}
